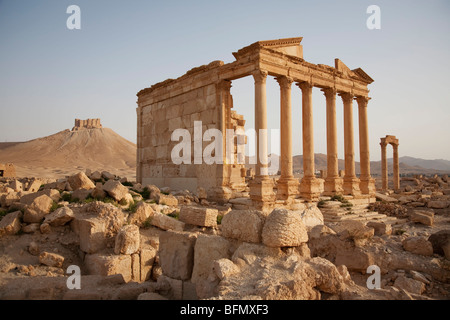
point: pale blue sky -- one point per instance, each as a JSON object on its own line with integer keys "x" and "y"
{"x": 50, "y": 75}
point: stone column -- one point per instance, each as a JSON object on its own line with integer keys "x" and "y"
{"x": 396, "y": 170}
{"x": 287, "y": 184}
{"x": 309, "y": 185}
{"x": 351, "y": 182}
{"x": 384, "y": 168}
{"x": 261, "y": 188}
{"x": 367, "y": 184}
{"x": 333, "y": 184}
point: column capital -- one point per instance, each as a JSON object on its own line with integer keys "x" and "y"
{"x": 329, "y": 92}
{"x": 284, "y": 81}
{"x": 346, "y": 96}
{"x": 362, "y": 100}
{"x": 383, "y": 144}
{"x": 260, "y": 76}
{"x": 305, "y": 85}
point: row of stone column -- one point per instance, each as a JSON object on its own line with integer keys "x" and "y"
{"x": 309, "y": 184}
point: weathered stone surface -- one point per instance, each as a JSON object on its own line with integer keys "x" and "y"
{"x": 410, "y": 285}
{"x": 10, "y": 224}
{"x": 176, "y": 254}
{"x": 354, "y": 258}
{"x": 423, "y": 217}
{"x": 147, "y": 258}
{"x": 168, "y": 200}
{"x": 284, "y": 228}
{"x": 38, "y": 209}
{"x": 418, "y": 245}
{"x": 34, "y": 185}
{"x": 328, "y": 278}
{"x": 166, "y": 223}
{"x": 201, "y": 193}
{"x": 143, "y": 212}
{"x": 127, "y": 240}
{"x": 9, "y": 198}
{"x": 80, "y": 181}
{"x": 439, "y": 240}
{"x": 92, "y": 232}
{"x": 199, "y": 216}
{"x": 312, "y": 216}
{"x": 51, "y": 259}
{"x": 208, "y": 248}
{"x": 438, "y": 204}
{"x": 385, "y": 198}
{"x": 59, "y": 217}
{"x": 115, "y": 189}
{"x": 96, "y": 175}
{"x": 45, "y": 228}
{"x": 224, "y": 268}
{"x": 107, "y": 175}
{"x": 381, "y": 228}
{"x": 81, "y": 194}
{"x": 33, "y": 248}
{"x": 30, "y": 228}
{"x": 244, "y": 225}
{"x": 106, "y": 265}
{"x": 29, "y": 198}
{"x": 355, "y": 230}
{"x": 319, "y": 231}
{"x": 97, "y": 192}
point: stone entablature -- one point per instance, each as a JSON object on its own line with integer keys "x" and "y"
{"x": 87, "y": 124}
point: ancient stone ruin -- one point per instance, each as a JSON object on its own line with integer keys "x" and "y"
{"x": 203, "y": 94}
{"x": 393, "y": 141}
{"x": 86, "y": 124}
{"x": 7, "y": 170}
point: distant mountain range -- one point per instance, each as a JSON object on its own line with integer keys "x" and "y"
{"x": 408, "y": 165}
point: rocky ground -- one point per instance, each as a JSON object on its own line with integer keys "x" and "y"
{"x": 140, "y": 242}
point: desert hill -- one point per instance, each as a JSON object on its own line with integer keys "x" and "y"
{"x": 68, "y": 152}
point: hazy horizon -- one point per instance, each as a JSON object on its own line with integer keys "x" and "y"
{"x": 50, "y": 75}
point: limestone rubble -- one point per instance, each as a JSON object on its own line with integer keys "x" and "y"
{"x": 166, "y": 244}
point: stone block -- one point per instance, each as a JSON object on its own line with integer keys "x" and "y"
{"x": 115, "y": 189}
{"x": 135, "y": 267}
{"x": 208, "y": 248}
{"x": 423, "y": 217}
{"x": 166, "y": 223}
{"x": 284, "y": 228}
{"x": 381, "y": 228}
{"x": 34, "y": 186}
{"x": 92, "y": 232}
{"x": 143, "y": 212}
{"x": 418, "y": 245}
{"x": 51, "y": 259}
{"x": 224, "y": 268}
{"x": 244, "y": 225}
{"x": 106, "y": 265}
{"x": 168, "y": 200}
{"x": 199, "y": 216}
{"x": 80, "y": 181}
{"x": 38, "y": 209}
{"x": 176, "y": 254}
{"x": 147, "y": 258}
{"x": 410, "y": 285}
{"x": 311, "y": 217}
{"x": 10, "y": 224}
{"x": 127, "y": 240}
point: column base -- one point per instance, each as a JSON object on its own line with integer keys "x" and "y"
{"x": 287, "y": 188}
{"x": 310, "y": 188}
{"x": 261, "y": 193}
{"x": 367, "y": 186}
{"x": 351, "y": 186}
{"x": 333, "y": 186}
